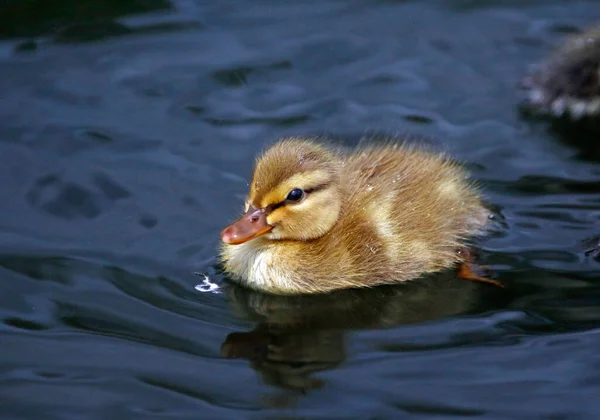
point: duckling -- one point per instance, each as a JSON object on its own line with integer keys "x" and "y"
{"x": 320, "y": 218}
{"x": 568, "y": 82}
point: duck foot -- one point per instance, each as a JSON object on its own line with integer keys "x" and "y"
{"x": 465, "y": 269}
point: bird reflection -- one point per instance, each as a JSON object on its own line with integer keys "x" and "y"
{"x": 582, "y": 135}
{"x": 296, "y": 336}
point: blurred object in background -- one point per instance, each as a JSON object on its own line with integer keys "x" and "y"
{"x": 567, "y": 83}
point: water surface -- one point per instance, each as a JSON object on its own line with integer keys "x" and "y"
{"x": 127, "y": 134}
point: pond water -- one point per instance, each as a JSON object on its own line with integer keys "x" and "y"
{"x": 128, "y": 130}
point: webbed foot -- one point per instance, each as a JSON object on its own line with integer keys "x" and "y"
{"x": 465, "y": 269}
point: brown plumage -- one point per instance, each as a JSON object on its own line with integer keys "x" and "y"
{"x": 383, "y": 213}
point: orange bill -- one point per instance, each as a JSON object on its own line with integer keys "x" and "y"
{"x": 251, "y": 225}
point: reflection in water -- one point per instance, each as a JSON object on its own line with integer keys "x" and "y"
{"x": 582, "y": 134}
{"x": 296, "y": 336}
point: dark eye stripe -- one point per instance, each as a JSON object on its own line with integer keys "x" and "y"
{"x": 307, "y": 191}
{"x": 317, "y": 188}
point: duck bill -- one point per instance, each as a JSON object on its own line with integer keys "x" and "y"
{"x": 251, "y": 225}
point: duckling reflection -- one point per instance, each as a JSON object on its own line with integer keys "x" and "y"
{"x": 299, "y": 335}
{"x": 581, "y": 135}
{"x": 568, "y": 82}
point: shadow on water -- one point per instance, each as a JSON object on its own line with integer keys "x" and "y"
{"x": 72, "y": 21}
{"x": 297, "y": 336}
{"x": 293, "y": 339}
{"x": 581, "y": 134}
{"x": 29, "y": 18}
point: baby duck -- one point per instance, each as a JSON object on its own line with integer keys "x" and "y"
{"x": 318, "y": 218}
{"x": 568, "y": 82}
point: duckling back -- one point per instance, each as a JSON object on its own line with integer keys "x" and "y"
{"x": 416, "y": 209}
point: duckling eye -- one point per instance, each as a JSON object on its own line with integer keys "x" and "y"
{"x": 295, "y": 195}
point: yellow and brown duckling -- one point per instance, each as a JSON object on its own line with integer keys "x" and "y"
{"x": 568, "y": 82}
{"x": 318, "y": 218}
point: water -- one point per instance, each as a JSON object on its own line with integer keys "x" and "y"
{"x": 127, "y": 134}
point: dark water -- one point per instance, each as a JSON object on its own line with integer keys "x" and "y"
{"x": 127, "y": 132}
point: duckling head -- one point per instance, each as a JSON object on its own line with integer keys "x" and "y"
{"x": 295, "y": 194}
